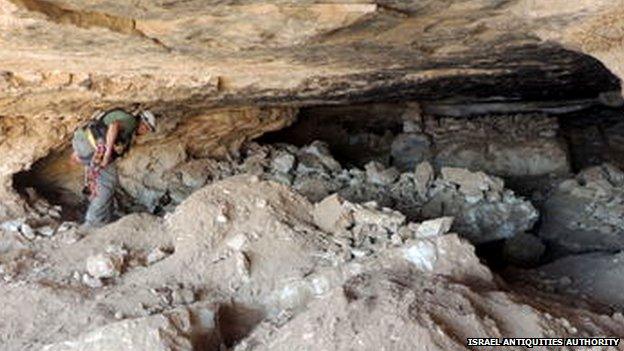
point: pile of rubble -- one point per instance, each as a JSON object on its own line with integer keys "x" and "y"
{"x": 244, "y": 260}
{"x": 586, "y": 213}
{"x": 483, "y": 209}
{"x": 582, "y": 226}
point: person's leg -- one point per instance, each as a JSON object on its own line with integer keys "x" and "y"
{"x": 101, "y": 207}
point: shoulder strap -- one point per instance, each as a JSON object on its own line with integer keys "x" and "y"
{"x": 98, "y": 115}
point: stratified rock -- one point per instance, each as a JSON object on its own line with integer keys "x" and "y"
{"x": 585, "y": 214}
{"x": 172, "y": 60}
{"x": 523, "y": 147}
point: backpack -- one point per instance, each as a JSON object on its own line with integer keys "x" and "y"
{"x": 96, "y": 130}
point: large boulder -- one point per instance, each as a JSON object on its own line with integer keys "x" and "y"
{"x": 595, "y": 278}
{"x": 585, "y": 213}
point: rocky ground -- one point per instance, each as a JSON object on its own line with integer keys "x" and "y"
{"x": 285, "y": 248}
{"x": 250, "y": 264}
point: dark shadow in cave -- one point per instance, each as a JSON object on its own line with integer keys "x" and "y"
{"x": 57, "y": 180}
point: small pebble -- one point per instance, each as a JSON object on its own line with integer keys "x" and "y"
{"x": 91, "y": 281}
{"x": 221, "y": 218}
{"x": 27, "y": 231}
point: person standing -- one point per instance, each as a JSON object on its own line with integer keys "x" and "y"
{"x": 97, "y": 145}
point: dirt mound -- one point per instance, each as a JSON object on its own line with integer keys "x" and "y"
{"x": 243, "y": 252}
{"x": 404, "y": 310}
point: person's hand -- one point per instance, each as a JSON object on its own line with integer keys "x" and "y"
{"x": 74, "y": 158}
{"x": 106, "y": 159}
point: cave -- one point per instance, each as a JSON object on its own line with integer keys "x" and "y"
{"x": 532, "y": 135}
{"x": 447, "y": 170}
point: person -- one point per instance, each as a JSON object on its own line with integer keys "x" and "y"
{"x": 96, "y": 145}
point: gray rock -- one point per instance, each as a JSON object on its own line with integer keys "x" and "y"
{"x": 315, "y": 188}
{"x": 157, "y": 254}
{"x": 410, "y": 149}
{"x": 434, "y": 227}
{"x": 585, "y": 214}
{"x": 47, "y": 231}
{"x": 92, "y": 282}
{"x": 331, "y": 214}
{"x": 598, "y": 275}
{"x": 318, "y": 154}
{"x": 104, "y": 265}
{"x": 483, "y": 221}
{"x": 471, "y": 184}
{"x": 27, "y": 231}
{"x": 423, "y": 176}
{"x": 283, "y": 162}
{"x": 523, "y": 249}
{"x": 376, "y": 173}
{"x": 368, "y": 214}
{"x": 283, "y": 178}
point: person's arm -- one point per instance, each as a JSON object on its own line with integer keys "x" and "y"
{"x": 111, "y": 136}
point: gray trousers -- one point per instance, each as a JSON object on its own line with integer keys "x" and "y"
{"x": 102, "y": 206}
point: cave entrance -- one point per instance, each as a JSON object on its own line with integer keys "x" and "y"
{"x": 534, "y": 135}
{"x": 57, "y": 180}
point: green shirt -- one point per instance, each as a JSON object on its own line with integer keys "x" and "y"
{"x": 128, "y": 123}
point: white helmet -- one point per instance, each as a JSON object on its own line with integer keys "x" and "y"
{"x": 149, "y": 119}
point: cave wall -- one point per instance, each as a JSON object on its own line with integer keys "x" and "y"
{"x": 172, "y": 158}
{"x": 61, "y": 60}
